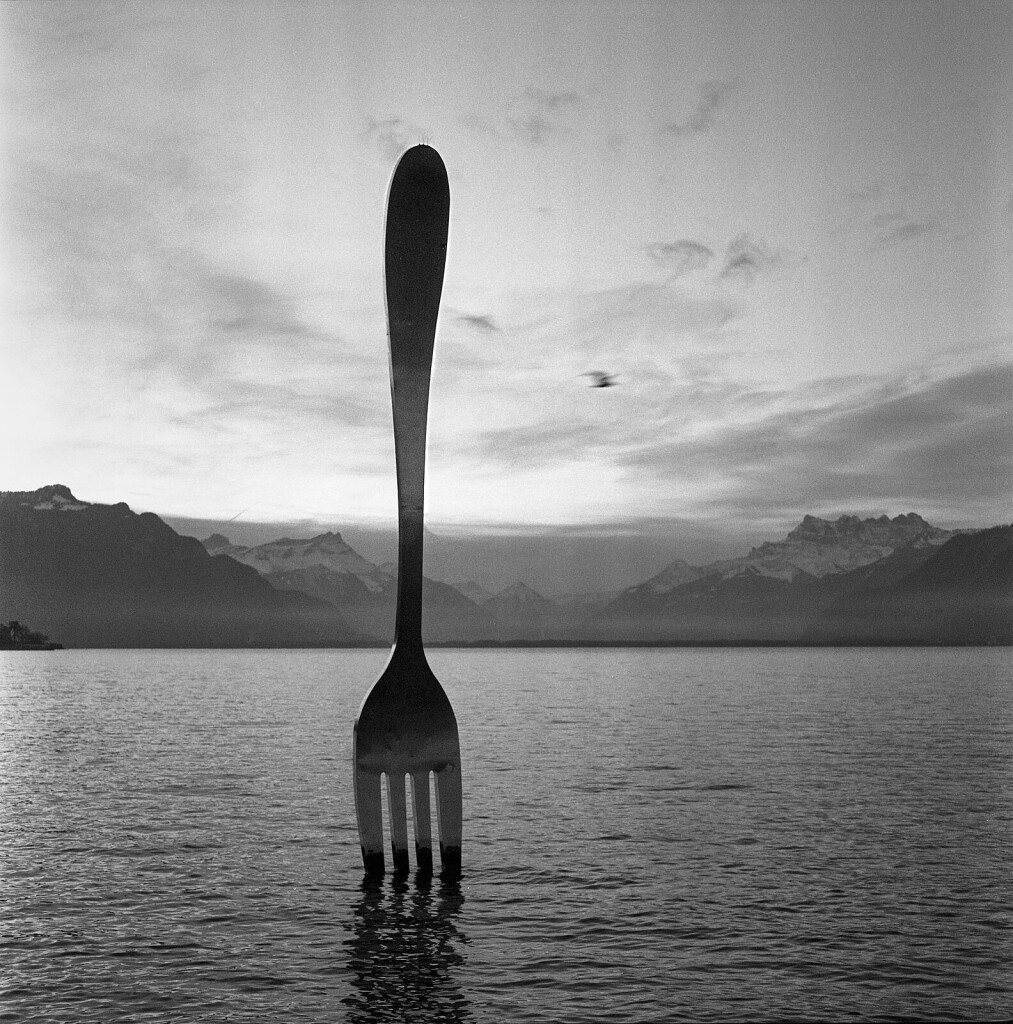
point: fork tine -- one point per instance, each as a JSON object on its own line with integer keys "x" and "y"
{"x": 448, "y": 809}
{"x": 398, "y": 821}
{"x": 369, "y": 815}
{"x": 423, "y": 828}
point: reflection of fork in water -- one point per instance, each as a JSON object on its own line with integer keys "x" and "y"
{"x": 403, "y": 954}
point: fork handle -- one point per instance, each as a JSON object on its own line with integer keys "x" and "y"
{"x": 415, "y": 254}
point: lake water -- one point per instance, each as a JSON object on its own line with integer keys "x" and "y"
{"x": 650, "y": 835}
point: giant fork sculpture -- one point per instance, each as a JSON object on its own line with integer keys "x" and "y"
{"x": 406, "y": 726}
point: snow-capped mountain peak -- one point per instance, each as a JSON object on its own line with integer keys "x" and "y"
{"x": 328, "y": 550}
{"x": 675, "y": 574}
{"x": 821, "y": 547}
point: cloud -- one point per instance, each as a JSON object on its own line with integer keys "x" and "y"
{"x": 896, "y": 227}
{"x": 525, "y": 409}
{"x": 246, "y": 305}
{"x": 156, "y": 349}
{"x": 681, "y": 257}
{"x": 212, "y": 329}
{"x": 881, "y": 212}
{"x": 289, "y": 406}
{"x": 480, "y": 126}
{"x": 176, "y": 346}
{"x": 550, "y": 338}
{"x": 684, "y": 438}
{"x": 548, "y": 442}
{"x": 392, "y": 136}
{"x": 711, "y": 98}
{"x": 535, "y": 114}
{"x": 941, "y": 445}
{"x": 747, "y": 258}
{"x": 651, "y": 315}
{"x": 482, "y": 324}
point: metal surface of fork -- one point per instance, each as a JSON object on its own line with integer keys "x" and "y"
{"x": 406, "y": 726}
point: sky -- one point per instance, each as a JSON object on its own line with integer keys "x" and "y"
{"x": 785, "y": 228}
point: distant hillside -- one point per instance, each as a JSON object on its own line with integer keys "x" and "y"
{"x": 102, "y": 576}
{"x": 523, "y": 614}
{"x": 962, "y": 594}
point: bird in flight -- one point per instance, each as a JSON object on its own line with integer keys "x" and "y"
{"x": 600, "y": 379}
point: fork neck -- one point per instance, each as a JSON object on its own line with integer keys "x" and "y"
{"x": 408, "y": 621}
{"x": 410, "y": 399}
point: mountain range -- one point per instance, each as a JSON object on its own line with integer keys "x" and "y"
{"x": 328, "y": 569}
{"x": 93, "y": 575}
{"x": 102, "y": 575}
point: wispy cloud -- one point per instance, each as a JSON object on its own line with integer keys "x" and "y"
{"x": 244, "y": 304}
{"x": 896, "y": 227}
{"x": 546, "y": 443}
{"x": 535, "y": 115}
{"x": 124, "y": 242}
{"x": 747, "y": 258}
{"x": 680, "y": 257}
{"x": 940, "y": 444}
{"x": 711, "y": 98}
{"x": 694, "y": 440}
{"x": 534, "y": 409}
{"x": 483, "y": 324}
{"x": 284, "y": 407}
{"x": 392, "y": 136}
{"x": 181, "y": 349}
{"x": 889, "y": 214}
